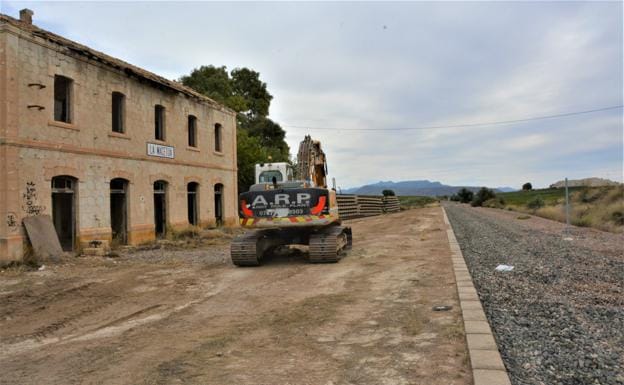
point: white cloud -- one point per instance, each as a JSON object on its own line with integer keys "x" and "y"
{"x": 388, "y": 65}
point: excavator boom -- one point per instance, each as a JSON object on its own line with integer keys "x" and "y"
{"x": 311, "y": 162}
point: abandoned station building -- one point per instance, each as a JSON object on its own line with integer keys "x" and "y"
{"x": 108, "y": 150}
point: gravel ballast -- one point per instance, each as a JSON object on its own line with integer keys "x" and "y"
{"x": 558, "y": 316}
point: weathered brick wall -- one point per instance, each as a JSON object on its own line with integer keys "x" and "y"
{"x": 35, "y": 148}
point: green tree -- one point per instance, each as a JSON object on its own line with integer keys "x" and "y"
{"x": 267, "y": 131}
{"x": 527, "y": 186}
{"x": 242, "y": 90}
{"x": 465, "y": 195}
{"x": 482, "y": 195}
{"x": 249, "y": 152}
{"x": 213, "y": 82}
{"x": 247, "y": 85}
{"x": 387, "y": 193}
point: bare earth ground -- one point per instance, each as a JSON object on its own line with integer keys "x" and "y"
{"x": 189, "y": 316}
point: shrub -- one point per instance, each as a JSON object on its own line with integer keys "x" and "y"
{"x": 178, "y": 234}
{"x": 497, "y": 203}
{"x": 618, "y": 217}
{"x": 535, "y": 203}
{"x": 387, "y": 193}
{"x": 527, "y": 186}
{"x": 555, "y": 213}
{"x": 590, "y": 195}
{"x": 581, "y": 222}
{"x": 465, "y": 195}
{"x": 615, "y": 194}
{"x": 482, "y": 195}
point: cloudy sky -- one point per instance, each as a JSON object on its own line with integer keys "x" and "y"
{"x": 335, "y": 68}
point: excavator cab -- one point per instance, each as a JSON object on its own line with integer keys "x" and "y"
{"x": 274, "y": 172}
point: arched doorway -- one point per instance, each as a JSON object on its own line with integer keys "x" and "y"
{"x": 218, "y": 204}
{"x": 192, "y": 191}
{"x": 64, "y": 189}
{"x": 119, "y": 210}
{"x": 160, "y": 208}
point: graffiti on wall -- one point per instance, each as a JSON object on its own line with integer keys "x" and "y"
{"x": 30, "y": 206}
{"x": 11, "y": 221}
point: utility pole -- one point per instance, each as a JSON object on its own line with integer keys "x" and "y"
{"x": 566, "y": 236}
{"x": 567, "y": 204}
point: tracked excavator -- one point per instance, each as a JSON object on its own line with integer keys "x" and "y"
{"x": 289, "y": 206}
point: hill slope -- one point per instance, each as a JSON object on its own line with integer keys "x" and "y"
{"x": 586, "y": 182}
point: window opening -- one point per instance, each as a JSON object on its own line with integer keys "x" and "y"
{"x": 218, "y": 196}
{"x": 192, "y": 201}
{"x": 160, "y": 208}
{"x": 267, "y": 176}
{"x": 159, "y": 119}
{"x": 62, "y": 99}
{"x": 64, "y": 210}
{"x": 119, "y": 210}
{"x": 192, "y": 131}
{"x": 118, "y": 112}
{"x": 217, "y": 137}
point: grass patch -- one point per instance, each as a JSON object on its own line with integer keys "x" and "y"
{"x": 414, "y": 323}
{"x": 453, "y": 331}
{"x": 311, "y": 311}
{"x": 190, "y": 237}
{"x": 16, "y": 267}
{"x": 410, "y": 202}
{"x": 522, "y": 217}
{"x": 174, "y": 234}
{"x": 597, "y": 207}
{"x": 217, "y": 343}
{"x": 549, "y": 196}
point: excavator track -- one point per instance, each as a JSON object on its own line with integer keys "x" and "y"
{"x": 247, "y": 249}
{"x": 244, "y": 249}
{"x": 327, "y": 245}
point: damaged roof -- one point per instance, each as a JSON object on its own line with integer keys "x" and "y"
{"x": 71, "y": 48}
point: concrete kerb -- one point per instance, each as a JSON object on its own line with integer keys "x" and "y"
{"x": 485, "y": 360}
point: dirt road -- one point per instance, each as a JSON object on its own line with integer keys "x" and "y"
{"x": 192, "y": 317}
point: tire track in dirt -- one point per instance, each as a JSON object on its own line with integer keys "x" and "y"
{"x": 364, "y": 320}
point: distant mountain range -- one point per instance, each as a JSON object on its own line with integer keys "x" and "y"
{"x": 414, "y": 187}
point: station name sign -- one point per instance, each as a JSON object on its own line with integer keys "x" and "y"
{"x": 160, "y": 151}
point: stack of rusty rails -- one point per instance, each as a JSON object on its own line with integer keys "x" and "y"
{"x": 391, "y": 204}
{"x": 370, "y": 205}
{"x": 347, "y": 206}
